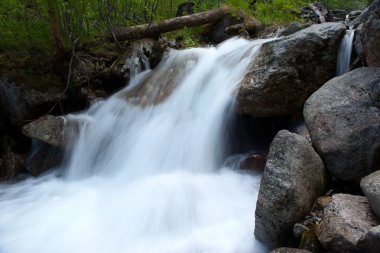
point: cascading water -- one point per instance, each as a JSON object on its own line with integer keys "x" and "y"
{"x": 145, "y": 172}
{"x": 344, "y": 52}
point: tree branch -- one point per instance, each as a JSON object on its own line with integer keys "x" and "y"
{"x": 156, "y": 28}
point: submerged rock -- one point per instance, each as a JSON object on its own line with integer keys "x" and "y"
{"x": 343, "y": 118}
{"x": 43, "y": 158}
{"x": 293, "y": 178}
{"x": 288, "y": 70}
{"x": 346, "y": 220}
{"x": 371, "y": 188}
{"x": 157, "y": 85}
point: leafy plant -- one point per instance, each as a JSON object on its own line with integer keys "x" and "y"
{"x": 345, "y": 5}
{"x": 278, "y": 11}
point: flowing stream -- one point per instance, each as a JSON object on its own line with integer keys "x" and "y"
{"x": 344, "y": 53}
{"x": 145, "y": 173}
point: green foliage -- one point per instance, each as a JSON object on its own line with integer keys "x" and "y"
{"x": 52, "y": 25}
{"x": 278, "y": 11}
{"x": 345, "y": 5}
{"x": 21, "y": 24}
{"x": 26, "y": 24}
{"x": 190, "y": 36}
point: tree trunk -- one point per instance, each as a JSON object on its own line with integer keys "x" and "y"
{"x": 156, "y": 28}
{"x": 58, "y": 43}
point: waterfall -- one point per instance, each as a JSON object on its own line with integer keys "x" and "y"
{"x": 145, "y": 171}
{"x": 344, "y": 53}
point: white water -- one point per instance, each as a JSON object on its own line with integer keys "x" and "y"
{"x": 146, "y": 179}
{"x": 344, "y": 53}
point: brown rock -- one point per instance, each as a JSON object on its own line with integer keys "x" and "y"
{"x": 346, "y": 220}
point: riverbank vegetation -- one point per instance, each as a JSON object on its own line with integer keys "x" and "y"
{"x": 58, "y": 25}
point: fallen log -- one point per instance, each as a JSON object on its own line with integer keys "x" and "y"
{"x": 156, "y": 28}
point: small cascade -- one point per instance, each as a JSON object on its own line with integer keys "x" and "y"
{"x": 145, "y": 173}
{"x": 344, "y": 52}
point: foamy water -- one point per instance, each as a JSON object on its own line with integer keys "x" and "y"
{"x": 146, "y": 176}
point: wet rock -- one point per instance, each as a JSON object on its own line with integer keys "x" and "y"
{"x": 370, "y": 243}
{"x": 367, "y": 40}
{"x": 339, "y": 15}
{"x": 288, "y": 70}
{"x": 26, "y": 99}
{"x": 371, "y": 188}
{"x": 293, "y": 178}
{"x": 11, "y": 165}
{"x": 354, "y": 14}
{"x": 334, "y": 116}
{"x": 346, "y": 220}
{"x": 160, "y": 48}
{"x": 254, "y": 162}
{"x": 142, "y": 55}
{"x": 93, "y": 94}
{"x": 48, "y": 129}
{"x": 43, "y": 158}
{"x": 97, "y": 76}
{"x": 219, "y": 33}
{"x": 159, "y": 84}
{"x": 238, "y": 24}
{"x": 135, "y": 59}
{"x": 289, "y": 250}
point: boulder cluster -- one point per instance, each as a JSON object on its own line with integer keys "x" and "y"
{"x": 321, "y": 194}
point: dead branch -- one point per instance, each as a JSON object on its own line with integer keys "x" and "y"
{"x": 156, "y": 28}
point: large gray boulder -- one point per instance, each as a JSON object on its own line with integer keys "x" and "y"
{"x": 288, "y": 70}
{"x": 371, "y": 188}
{"x": 48, "y": 129}
{"x": 346, "y": 220}
{"x": 293, "y": 178}
{"x": 367, "y": 40}
{"x": 343, "y": 118}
